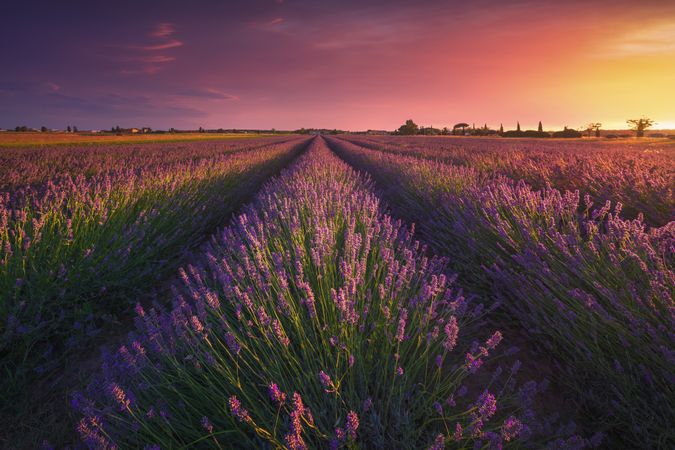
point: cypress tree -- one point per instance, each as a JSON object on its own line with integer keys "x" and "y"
{"x": 518, "y": 127}
{"x": 541, "y": 128}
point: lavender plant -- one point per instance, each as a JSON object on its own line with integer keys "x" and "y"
{"x": 593, "y": 289}
{"x": 637, "y": 174}
{"x": 75, "y": 249}
{"x": 35, "y": 166}
{"x": 313, "y": 321}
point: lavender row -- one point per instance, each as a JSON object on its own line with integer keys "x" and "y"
{"x": 72, "y": 255}
{"x": 314, "y": 321}
{"x": 21, "y": 167}
{"x": 595, "y": 290}
{"x": 638, "y": 174}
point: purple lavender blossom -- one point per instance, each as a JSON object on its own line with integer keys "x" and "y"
{"x": 326, "y": 382}
{"x": 451, "y": 330}
{"x": 207, "y": 425}
{"x": 276, "y": 395}
{"x": 494, "y": 340}
{"x": 294, "y": 438}
{"x": 511, "y": 428}
{"x": 439, "y": 443}
{"x": 459, "y": 432}
{"x": 400, "y": 331}
{"x": 235, "y": 408}
{"x": 352, "y": 424}
{"x": 119, "y": 396}
{"x": 232, "y": 343}
{"x": 487, "y": 405}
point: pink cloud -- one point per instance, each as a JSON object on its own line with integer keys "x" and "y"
{"x": 146, "y": 70}
{"x": 157, "y": 59}
{"x": 163, "y": 30}
{"x": 164, "y": 46}
{"x": 208, "y": 94}
{"x": 151, "y": 64}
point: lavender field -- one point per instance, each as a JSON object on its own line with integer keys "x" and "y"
{"x": 345, "y": 291}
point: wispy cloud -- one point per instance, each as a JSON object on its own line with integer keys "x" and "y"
{"x": 163, "y": 30}
{"x": 173, "y": 43}
{"x": 144, "y": 54}
{"x": 145, "y": 70}
{"x": 657, "y": 39}
{"x": 277, "y": 24}
{"x": 207, "y": 93}
{"x": 53, "y": 86}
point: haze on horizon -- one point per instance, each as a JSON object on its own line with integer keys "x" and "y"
{"x": 347, "y": 64}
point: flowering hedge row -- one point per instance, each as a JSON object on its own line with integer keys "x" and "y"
{"x": 313, "y": 321}
{"x": 637, "y": 174}
{"x": 595, "y": 291}
{"x": 75, "y": 249}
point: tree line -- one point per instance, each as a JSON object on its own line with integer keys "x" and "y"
{"x": 639, "y": 126}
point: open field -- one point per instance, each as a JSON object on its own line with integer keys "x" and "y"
{"x": 343, "y": 292}
{"x": 27, "y": 139}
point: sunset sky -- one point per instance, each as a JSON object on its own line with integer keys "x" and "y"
{"x": 338, "y": 64}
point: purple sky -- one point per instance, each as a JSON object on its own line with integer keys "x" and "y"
{"x": 346, "y": 64}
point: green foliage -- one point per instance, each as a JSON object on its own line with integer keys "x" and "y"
{"x": 640, "y": 125}
{"x": 567, "y": 133}
{"x": 409, "y": 128}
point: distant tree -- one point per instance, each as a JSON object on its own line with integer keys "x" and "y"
{"x": 409, "y": 128}
{"x": 567, "y": 133}
{"x": 593, "y": 127}
{"x": 74, "y": 129}
{"x": 43, "y": 129}
{"x": 501, "y": 128}
{"x": 201, "y": 130}
{"x": 518, "y": 126}
{"x": 69, "y": 129}
{"x": 22, "y": 128}
{"x": 445, "y": 131}
{"x": 541, "y": 128}
{"x": 640, "y": 125}
{"x": 461, "y": 125}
